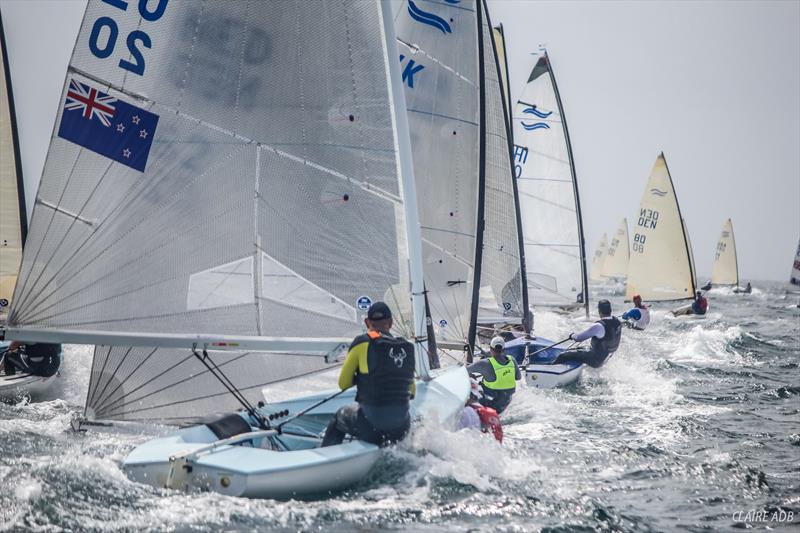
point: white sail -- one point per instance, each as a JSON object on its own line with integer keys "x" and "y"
{"x": 502, "y": 257}
{"x": 439, "y": 58}
{"x": 615, "y": 265}
{"x": 13, "y": 219}
{"x": 726, "y": 267}
{"x": 599, "y": 259}
{"x": 794, "y": 277}
{"x": 180, "y": 183}
{"x": 550, "y": 205}
{"x": 661, "y": 266}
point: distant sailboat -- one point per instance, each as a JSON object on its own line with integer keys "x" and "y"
{"x": 794, "y": 277}
{"x": 599, "y": 260}
{"x": 726, "y": 266}
{"x": 615, "y": 265}
{"x": 548, "y": 190}
{"x": 661, "y": 266}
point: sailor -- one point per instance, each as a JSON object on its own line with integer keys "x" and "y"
{"x": 382, "y": 368}
{"x": 500, "y": 375}
{"x": 605, "y": 334}
{"x": 477, "y": 416}
{"x": 700, "y": 304}
{"x": 38, "y": 359}
{"x": 639, "y": 316}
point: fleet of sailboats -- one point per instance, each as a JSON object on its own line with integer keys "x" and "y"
{"x": 217, "y": 228}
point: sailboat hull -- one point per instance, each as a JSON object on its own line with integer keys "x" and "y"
{"x": 540, "y": 372}
{"x": 303, "y": 469}
{"x": 20, "y": 384}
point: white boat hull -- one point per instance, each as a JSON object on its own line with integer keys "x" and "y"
{"x": 304, "y": 470}
{"x": 552, "y": 376}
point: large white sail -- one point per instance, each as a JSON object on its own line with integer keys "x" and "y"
{"x": 13, "y": 218}
{"x": 550, "y": 205}
{"x": 439, "y": 58}
{"x": 726, "y": 267}
{"x": 661, "y": 266}
{"x": 502, "y": 261}
{"x": 192, "y": 198}
{"x": 599, "y": 259}
{"x": 615, "y": 265}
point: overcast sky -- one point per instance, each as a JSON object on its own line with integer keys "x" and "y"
{"x": 715, "y": 85}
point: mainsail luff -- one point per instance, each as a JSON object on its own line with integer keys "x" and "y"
{"x": 661, "y": 266}
{"x": 502, "y": 56}
{"x": 101, "y": 204}
{"x": 13, "y": 211}
{"x": 726, "y": 265}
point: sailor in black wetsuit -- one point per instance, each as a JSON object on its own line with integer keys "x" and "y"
{"x": 382, "y": 367}
{"x": 605, "y": 334}
{"x": 38, "y": 359}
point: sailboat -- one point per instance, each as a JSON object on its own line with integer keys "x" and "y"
{"x": 198, "y": 204}
{"x": 726, "y": 267}
{"x": 615, "y": 267}
{"x": 794, "y": 276}
{"x": 661, "y": 265}
{"x": 548, "y": 190}
{"x": 13, "y": 226}
{"x": 599, "y": 260}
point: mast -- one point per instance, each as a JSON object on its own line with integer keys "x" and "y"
{"x": 683, "y": 228}
{"x": 408, "y": 184}
{"x": 581, "y": 238}
{"x": 476, "y": 285}
{"x": 23, "y": 212}
{"x": 527, "y": 318}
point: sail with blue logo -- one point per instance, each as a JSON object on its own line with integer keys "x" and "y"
{"x": 551, "y": 217}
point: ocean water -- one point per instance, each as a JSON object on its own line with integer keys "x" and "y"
{"x": 693, "y": 425}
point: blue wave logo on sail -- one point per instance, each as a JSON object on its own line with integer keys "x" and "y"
{"x": 428, "y": 18}
{"x": 657, "y": 192}
{"x": 533, "y": 111}
{"x": 536, "y": 126}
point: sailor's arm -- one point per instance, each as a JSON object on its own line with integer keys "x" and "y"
{"x": 352, "y": 364}
{"x": 595, "y": 330}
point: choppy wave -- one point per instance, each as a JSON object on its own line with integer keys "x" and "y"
{"x": 689, "y": 422}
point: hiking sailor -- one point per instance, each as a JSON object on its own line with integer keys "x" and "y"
{"x": 605, "y": 334}
{"x": 477, "y": 416}
{"x": 639, "y": 316}
{"x": 382, "y": 368}
{"x": 500, "y": 375}
{"x": 38, "y": 359}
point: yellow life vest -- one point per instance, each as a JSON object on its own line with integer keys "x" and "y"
{"x": 503, "y": 375}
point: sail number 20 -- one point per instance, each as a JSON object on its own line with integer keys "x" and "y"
{"x": 103, "y": 38}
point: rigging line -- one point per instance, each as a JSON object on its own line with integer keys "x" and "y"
{"x": 114, "y": 373}
{"x": 439, "y": 115}
{"x": 129, "y": 376}
{"x": 548, "y": 202}
{"x": 416, "y": 49}
{"x": 140, "y": 257}
{"x": 217, "y": 373}
{"x": 523, "y": 178}
{"x": 121, "y": 206}
{"x": 119, "y": 409}
{"x": 22, "y": 291}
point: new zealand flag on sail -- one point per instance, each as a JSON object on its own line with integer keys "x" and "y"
{"x": 107, "y": 125}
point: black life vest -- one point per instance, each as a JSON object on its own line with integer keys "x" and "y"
{"x": 391, "y": 365}
{"x": 610, "y": 341}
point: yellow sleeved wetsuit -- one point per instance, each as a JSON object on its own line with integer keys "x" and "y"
{"x": 356, "y": 362}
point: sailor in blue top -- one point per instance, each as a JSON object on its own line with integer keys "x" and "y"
{"x": 639, "y": 316}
